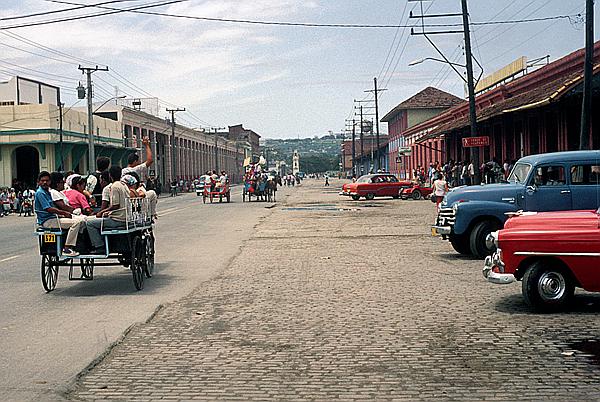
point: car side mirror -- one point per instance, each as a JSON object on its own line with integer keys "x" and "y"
{"x": 531, "y": 189}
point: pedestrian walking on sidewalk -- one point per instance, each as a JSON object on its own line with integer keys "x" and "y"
{"x": 326, "y": 180}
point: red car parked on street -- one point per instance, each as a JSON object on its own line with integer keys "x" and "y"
{"x": 416, "y": 192}
{"x": 552, "y": 253}
{"x": 374, "y": 185}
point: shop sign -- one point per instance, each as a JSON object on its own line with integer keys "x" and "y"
{"x": 470, "y": 142}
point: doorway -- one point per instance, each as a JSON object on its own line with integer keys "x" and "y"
{"x": 27, "y": 162}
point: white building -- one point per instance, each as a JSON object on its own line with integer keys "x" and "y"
{"x": 296, "y": 162}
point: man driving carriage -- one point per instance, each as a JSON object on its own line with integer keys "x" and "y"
{"x": 49, "y": 215}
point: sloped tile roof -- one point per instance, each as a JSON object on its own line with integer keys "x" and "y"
{"x": 429, "y": 98}
{"x": 543, "y": 95}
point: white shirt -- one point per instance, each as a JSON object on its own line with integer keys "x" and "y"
{"x": 440, "y": 187}
{"x": 141, "y": 170}
{"x": 106, "y": 193}
{"x": 57, "y": 195}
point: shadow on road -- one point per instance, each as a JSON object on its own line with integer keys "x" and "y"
{"x": 458, "y": 257}
{"x": 581, "y": 304}
{"x": 113, "y": 283}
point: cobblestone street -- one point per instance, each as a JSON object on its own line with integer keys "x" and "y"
{"x": 336, "y": 299}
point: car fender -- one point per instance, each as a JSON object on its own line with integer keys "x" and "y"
{"x": 471, "y": 211}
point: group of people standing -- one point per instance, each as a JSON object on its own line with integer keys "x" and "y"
{"x": 13, "y": 201}
{"x": 454, "y": 174}
{"x": 97, "y": 201}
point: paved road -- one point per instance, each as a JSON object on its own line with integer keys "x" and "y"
{"x": 47, "y": 339}
{"x": 334, "y": 299}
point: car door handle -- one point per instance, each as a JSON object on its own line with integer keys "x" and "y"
{"x": 565, "y": 192}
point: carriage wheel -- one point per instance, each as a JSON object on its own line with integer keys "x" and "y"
{"x": 87, "y": 268}
{"x": 137, "y": 262}
{"x": 149, "y": 267}
{"x": 49, "y": 272}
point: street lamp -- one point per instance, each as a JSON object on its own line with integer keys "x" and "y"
{"x": 419, "y": 61}
{"x": 108, "y": 100}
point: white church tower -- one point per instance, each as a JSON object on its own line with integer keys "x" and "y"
{"x": 296, "y": 162}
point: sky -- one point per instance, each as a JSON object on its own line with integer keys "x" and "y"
{"x": 280, "y": 81}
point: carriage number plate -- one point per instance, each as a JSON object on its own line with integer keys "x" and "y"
{"x": 49, "y": 238}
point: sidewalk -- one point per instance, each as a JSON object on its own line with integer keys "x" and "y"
{"x": 335, "y": 299}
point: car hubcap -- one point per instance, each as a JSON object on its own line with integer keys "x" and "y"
{"x": 551, "y": 286}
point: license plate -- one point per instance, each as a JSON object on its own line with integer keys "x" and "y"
{"x": 49, "y": 238}
{"x": 434, "y": 232}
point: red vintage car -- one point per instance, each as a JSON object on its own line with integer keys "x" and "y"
{"x": 375, "y": 185}
{"x": 552, "y": 253}
{"x": 416, "y": 192}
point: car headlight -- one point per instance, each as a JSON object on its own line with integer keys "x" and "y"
{"x": 492, "y": 240}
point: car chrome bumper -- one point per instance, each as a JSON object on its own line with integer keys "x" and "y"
{"x": 441, "y": 230}
{"x": 348, "y": 194}
{"x": 499, "y": 278}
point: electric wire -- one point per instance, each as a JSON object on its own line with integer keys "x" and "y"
{"x": 92, "y": 15}
{"x": 139, "y": 10}
{"x": 62, "y": 10}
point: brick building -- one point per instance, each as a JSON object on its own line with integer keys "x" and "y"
{"x": 415, "y": 110}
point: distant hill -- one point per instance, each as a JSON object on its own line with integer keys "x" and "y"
{"x": 317, "y": 154}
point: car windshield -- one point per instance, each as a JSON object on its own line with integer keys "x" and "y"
{"x": 519, "y": 173}
{"x": 364, "y": 179}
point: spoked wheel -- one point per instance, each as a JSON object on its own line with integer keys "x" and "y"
{"x": 87, "y": 268}
{"x": 137, "y": 262}
{"x": 49, "y": 272}
{"x": 149, "y": 243}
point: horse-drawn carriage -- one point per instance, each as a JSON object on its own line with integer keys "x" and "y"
{"x": 131, "y": 246}
{"x": 216, "y": 192}
{"x": 262, "y": 190}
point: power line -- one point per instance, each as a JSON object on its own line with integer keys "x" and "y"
{"x": 46, "y": 48}
{"x": 394, "y": 40}
{"x": 138, "y": 10}
{"x": 62, "y": 10}
{"x": 93, "y": 15}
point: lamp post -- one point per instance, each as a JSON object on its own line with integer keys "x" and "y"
{"x": 419, "y": 61}
{"x": 91, "y": 136}
{"x": 472, "y": 106}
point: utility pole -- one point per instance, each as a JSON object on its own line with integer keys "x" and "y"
{"x": 588, "y": 73}
{"x": 474, "y": 151}
{"x": 217, "y": 147}
{"x": 354, "y": 148}
{"x": 91, "y": 151}
{"x": 362, "y": 138}
{"x": 376, "y": 92}
{"x": 471, "y": 88}
{"x": 173, "y": 144}
{"x": 61, "y": 168}
{"x": 344, "y": 153}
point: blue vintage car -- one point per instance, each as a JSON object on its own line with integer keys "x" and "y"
{"x": 546, "y": 182}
